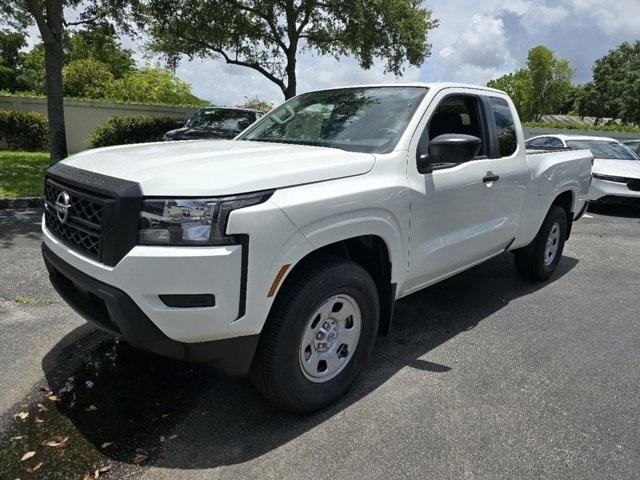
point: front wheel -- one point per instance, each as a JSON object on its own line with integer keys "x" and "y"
{"x": 319, "y": 335}
{"x": 539, "y": 260}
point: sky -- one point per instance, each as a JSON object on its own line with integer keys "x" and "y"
{"x": 477, "y": 40}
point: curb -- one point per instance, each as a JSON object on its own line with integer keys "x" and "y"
{"x": 21, "y": 202}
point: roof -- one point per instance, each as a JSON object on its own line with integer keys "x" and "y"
{"x": 430, "y": 85}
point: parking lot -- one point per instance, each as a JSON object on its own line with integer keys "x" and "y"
{"x": 483, "y": 376}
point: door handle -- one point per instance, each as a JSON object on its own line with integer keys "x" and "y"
{"x": 491, "y": 178}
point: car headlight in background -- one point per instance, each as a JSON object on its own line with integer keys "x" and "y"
{"x": 610, "y": 178}
{"x": 191, "y": 221}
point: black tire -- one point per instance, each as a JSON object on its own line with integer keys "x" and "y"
{"x": 276, "y": 370}
{"x": 530, "y": 261}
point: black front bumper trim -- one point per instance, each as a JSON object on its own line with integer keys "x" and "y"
{"x": 112, "y": 310}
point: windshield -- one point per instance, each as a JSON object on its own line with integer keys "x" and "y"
{"x": 355, "y": 119}
{"x": 604, "y": 149}
{"x": 222, "y": 119}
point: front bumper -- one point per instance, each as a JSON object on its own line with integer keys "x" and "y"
{"x": 113, "y": 310}
{"x": 612, "y": 192}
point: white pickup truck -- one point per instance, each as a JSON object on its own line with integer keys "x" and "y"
{"x": 281, "y": 253}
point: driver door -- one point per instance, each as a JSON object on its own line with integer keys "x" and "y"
{"x": 455, "y": 210}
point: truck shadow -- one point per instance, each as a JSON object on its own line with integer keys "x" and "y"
{"x": 134, "y": 407}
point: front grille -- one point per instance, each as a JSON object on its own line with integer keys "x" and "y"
{"x": 634, "y": 185}
{"x": 82, "y": 228}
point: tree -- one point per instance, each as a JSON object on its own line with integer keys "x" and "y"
{"x": 266, "y": 35}
{"x": 550, "y": 81}
{"x": 544, "y": 87}
{"x": 10, "y": 58}
{"x": 615, "y": 90}
{"x": 101, "y": 44}
{"x": 256, "y": 103}
{"x": 153, "y": 85}
{"x": 31, "y": 76}
{"x": 48, "y": 16}
{"x": 87, "y": 78}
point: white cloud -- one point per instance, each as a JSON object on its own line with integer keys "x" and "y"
{"x": 613, "y": 17}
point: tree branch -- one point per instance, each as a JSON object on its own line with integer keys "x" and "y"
{"x": 35, "y": 9}
{"x": 255, "y": 66}
{"x": 268, "y": 19}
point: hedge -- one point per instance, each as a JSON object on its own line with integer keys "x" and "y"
{"x": 131, "y": 129}
{"x": 26, "y": 131}
{"x": 614, "y": 127}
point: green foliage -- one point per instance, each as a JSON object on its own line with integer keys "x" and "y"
{"x": 26, "y": 131}
{"x": 265, "y": 35}
{"x": 544, "y": 87}
{"x": 10, "y": 58}
{"x": 21, "y": 173}
{"x": 31, "y": 75}
{"x": 100, "y": 44}
{"x": 610, "y": 127}
{"x": 615, "y": 90}
{"x": 256, "y": 103}
{"x": 131, "y": 129}
{"x": 87, "y": 78}
{"x": 153, "y": 85}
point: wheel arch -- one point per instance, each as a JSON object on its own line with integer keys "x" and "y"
{"x": 372, "y": 253}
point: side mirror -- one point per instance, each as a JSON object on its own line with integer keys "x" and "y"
{"x": 448, "y": 149}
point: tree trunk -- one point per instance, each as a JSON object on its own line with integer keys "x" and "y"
{"x": 292, "y": 82}
{"x": 55, "y": 98}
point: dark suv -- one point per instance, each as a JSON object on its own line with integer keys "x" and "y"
{"x": 214, "y": 122}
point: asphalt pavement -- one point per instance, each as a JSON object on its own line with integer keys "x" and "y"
{"x": 484, "y": 376}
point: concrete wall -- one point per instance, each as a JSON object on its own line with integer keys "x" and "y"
{"x": 83, "y": 117}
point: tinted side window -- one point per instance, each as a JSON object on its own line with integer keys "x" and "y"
{"x": 505, "y": 126}
{"x": 457, "y": 114}
{"x": 537, "y": 142}
{"x": 554, "y": 142}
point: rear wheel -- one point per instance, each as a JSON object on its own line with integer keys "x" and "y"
{"x": 318, "y": 336}
{"x": 539, "y": 260}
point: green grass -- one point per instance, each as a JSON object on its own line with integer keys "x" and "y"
{"x": 21, "y": 173}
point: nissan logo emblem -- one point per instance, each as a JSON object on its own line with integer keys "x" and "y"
{"x": 62, "y": 206}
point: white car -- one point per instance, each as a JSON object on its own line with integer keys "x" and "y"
{"x": 281, "y": 253}
{"x": 616, "y": 168}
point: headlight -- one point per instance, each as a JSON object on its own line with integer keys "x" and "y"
{"x": 610, "y": 178}
{"x": 191, "y": 221}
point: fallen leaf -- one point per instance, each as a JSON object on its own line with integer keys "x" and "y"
{"x": 17, "y": 437}
{"x": 53, "y": 397}
{"x": 21, "y": 415}
{"x": 91, "y": 408}
{"x": 171, "y": 437}
{"x": 56, "y": 442}
{"x": 138, "y": 458}
{"x": 42, "y": 408}
{"x": 35, "y": 467}
{"x": 27, "y": 456}
{"x": 39, "y": 420}
{"x": 87, "y": 476}
{"x": 204, "y": 413}
{"x": 106, "y": 444}
{"x": 101, "y": 470}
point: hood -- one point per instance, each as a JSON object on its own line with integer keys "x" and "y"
{"x": 220, "y": 167}
{"x": 617, "y": 168}
{"x": 187, "y": 133}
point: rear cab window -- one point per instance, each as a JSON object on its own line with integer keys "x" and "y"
{"x": 505, "y": 126}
